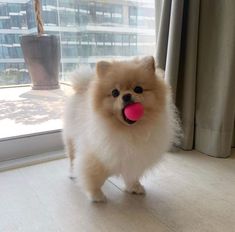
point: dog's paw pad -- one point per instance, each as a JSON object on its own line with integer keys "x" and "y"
{"x": 136, "y": 189}
{"x": 97, "y": 197}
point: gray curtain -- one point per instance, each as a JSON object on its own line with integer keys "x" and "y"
{"x": 196, "y": 46}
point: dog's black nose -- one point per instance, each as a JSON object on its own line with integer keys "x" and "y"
{"x": 126, "y": 98}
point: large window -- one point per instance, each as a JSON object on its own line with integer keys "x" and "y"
{"x": 88, "y": 31}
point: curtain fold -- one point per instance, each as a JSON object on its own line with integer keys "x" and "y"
{"x": 196, "y": 47}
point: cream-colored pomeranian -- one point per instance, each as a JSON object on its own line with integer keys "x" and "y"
{"x": 119, "y": 121}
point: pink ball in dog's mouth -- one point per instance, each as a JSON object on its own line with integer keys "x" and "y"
{"x": 134, "y": 111}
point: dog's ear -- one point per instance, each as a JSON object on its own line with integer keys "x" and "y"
{"x": 148, "y": 63}
{"x": 102, "y": 67}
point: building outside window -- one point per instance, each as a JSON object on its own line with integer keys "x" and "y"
{"x": 88, "y": 31}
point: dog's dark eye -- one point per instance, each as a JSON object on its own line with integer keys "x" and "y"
{"x": 115, "y": 93}
{"x": 138, "y": 89}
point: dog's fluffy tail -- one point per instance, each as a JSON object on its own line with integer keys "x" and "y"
{"x": 80, "y": 78}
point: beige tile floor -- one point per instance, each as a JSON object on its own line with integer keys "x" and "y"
{"x": 187, "y": 192}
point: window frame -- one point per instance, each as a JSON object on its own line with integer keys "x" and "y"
{"x": 18, "y": 147}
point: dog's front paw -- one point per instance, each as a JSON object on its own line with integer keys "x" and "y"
{"x": 97, "y": 196}
{"x": 136, "y": 188}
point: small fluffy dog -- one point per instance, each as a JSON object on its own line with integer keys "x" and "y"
{"x": 119, "y": 121}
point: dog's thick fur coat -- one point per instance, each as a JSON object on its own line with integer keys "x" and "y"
{"x": 98, "y": 140}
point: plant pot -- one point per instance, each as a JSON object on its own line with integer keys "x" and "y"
{"x": 42, "y": 57}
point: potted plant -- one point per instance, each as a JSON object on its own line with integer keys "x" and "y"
{"x": 42, "y": 55}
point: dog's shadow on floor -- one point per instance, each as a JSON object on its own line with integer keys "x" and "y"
{"x": 123, "y": 211}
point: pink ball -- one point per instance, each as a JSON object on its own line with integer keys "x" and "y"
{"x": 134, "y": 111}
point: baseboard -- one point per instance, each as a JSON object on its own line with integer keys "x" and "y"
{"x": 31, "y": 160}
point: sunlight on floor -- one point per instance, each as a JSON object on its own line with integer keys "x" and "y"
{"x": 25, "y": 111}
